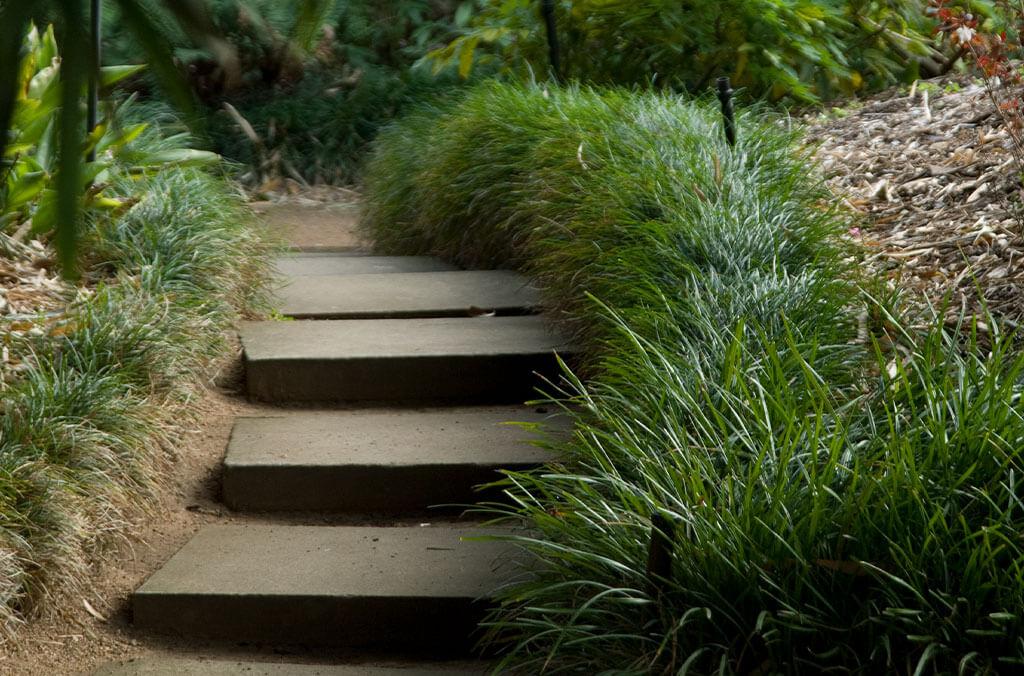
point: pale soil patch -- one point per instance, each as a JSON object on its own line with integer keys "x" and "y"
{"x": 320, "y": 218}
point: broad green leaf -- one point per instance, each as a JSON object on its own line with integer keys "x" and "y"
{"x": 47, "y": 47}
{"x": 46, "y": 150}
{"x": 94, "y": 172}
{"x": 14, "y": 17}
{"x": 25, "y": 188}
{"x": 466, "y": 56}
{"x": 94, "y": 136}
{"x": 107, "y": 203}
{"x": 41, "y": 81}
{"x": 110, "y": 75}
{"x": 45, "y": 217}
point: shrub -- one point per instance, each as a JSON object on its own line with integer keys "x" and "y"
{"x": 511, "y": 175}
{"x": 31, "y": 160}
{"x": 805, "y": 50}
{"x": 840, "y": 488}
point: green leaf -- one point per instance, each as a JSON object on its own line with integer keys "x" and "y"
{"x": 310, "y": 17}
{"x": 120, "y": 138}
{"x": 466, "y": 51}
{"x": 110, "y": 75}
{"x": 47, "y": 47}
{"x": 179, "y": 156}
{"x": 25, "y": 188}
{"x": 45, "y": 217}
{"x": 42, "y": 81}
{"x": 160, "y": 57}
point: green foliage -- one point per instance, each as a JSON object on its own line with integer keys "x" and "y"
{"x": 843, "y": 488}
{"x": 87, "y": 429}
{"x": 31, "y": 156}
{"x": 318, "y": 129}
{"x": 803, "y": 49}
{"x": 312, "y": 111}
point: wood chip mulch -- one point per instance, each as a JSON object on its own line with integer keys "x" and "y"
{"x": 931, "y": 169}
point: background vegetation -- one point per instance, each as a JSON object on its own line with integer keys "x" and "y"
{"x": 305, "y": 109}
{"x": 804, "y": 50}
{"x": 840, "y": 489}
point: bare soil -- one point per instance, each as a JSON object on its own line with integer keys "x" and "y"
{"x": 319, "y": 219}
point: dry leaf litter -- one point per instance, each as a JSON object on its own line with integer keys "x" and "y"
{"x": 33, "y": 303}
{"x": 931, "y": 168}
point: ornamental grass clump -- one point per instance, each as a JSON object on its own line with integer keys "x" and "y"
{"x": 91, "y": 417}
{"x": 841, "y": 483}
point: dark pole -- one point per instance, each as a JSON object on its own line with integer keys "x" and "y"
{"x": 725, "y": 96}
{"x": 548, "y": 9}
{"x": 659, "y": 554}
{"x": 92, "y": 110}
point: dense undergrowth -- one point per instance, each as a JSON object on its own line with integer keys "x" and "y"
{"x": 94, "y": 394}
{"x": 798, "y": 50}
{"x": 310, "y": 107}
{"x": 842, "y": 487}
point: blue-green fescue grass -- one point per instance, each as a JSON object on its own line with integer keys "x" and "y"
{"x": 845, "y": 490}
{"x": 87, "y": 432}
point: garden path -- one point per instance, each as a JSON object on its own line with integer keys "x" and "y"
{"x": 389, "y": 400}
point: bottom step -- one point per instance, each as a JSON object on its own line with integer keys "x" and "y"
{"x": 411, "y": 589}
{"x": 178, "y": 667}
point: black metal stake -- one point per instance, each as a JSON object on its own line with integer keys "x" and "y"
{"x": 659, "y": 556}
{"x": 93, "y": 104}
{"x": 547, "y": 8}
{"x": 725, "y": 96}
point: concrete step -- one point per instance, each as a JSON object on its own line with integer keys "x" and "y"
{"x": 184, "y": 667}
{"x": 410, "y": 589}
{"x": 303, "y": 264}
{"x": 378, "y": 460}
{"x": 394, "y": 295}
{"x": 482, "y": 359}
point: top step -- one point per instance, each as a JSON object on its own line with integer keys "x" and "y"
{"x": 407, "y": 295}
{"x": 311, "y": 264}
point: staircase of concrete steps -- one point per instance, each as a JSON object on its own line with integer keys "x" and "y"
{"x": 441, "y": 359}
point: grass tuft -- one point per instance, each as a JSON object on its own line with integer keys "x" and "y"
{"x": 87, "y": 429}
{"x": 843, "y": 487}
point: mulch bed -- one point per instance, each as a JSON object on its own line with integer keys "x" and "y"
{"x": 931, "y": 170}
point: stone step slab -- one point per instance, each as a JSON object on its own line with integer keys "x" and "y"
{"x": 300, "y": 265}
{"x": 410, "y": 589}
{"x": 393, "y": 461}
{"x": 394, "y": 295}
{"x": 479, "y": 360}
{"x": 185, "y": 667}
